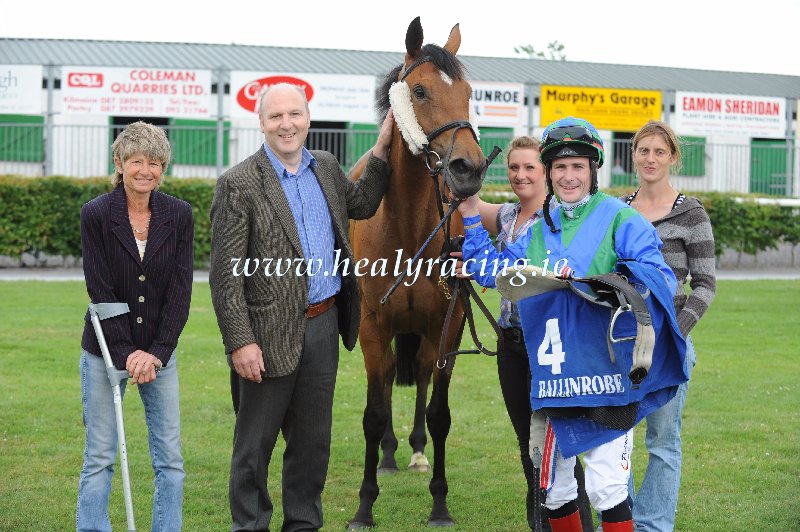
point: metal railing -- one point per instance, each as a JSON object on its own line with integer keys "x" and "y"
{"x": 84, "y": 150}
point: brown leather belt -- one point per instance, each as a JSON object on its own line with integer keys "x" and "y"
{"x": 318, "y": 308}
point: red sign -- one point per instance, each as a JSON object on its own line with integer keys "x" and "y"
{"x": 248, "y": 94}
{"x": 91, "y": 80}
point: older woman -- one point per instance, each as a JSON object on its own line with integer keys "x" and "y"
{"x": 137, "y": 249}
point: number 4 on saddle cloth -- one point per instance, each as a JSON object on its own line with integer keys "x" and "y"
{"x": 604, "y": 351}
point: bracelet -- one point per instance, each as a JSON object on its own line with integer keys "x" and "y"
{"x": 473, "y": 226}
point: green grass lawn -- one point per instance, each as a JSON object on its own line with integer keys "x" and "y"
{"x": 741, "y": 424}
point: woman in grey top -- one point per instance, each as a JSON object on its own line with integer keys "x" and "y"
{"x": 685, "y": 229}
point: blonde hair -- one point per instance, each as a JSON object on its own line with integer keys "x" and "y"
{"x": 522, "y": 143}
{"x": 141, "y": 137}
{"x": 656, "y": 127}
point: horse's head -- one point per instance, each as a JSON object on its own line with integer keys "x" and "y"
{"x": 431, "y": 103}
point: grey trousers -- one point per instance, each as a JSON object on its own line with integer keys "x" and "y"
{"x": 300, "y": 406}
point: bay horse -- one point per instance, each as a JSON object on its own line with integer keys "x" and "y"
{"x": 430, "y": 100}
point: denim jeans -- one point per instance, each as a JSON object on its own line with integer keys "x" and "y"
{"x": 656, "y": 501}
{"x": 162, "y": 415}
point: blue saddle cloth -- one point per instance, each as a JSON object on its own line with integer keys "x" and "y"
{"x": 571, "y": 366}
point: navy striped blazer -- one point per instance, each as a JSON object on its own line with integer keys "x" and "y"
{"x": 157, "y": 289}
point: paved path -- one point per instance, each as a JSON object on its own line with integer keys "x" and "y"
{"x": 201, "y": 276}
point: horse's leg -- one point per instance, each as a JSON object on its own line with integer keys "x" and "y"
{"x": 438, "y": 418}
{"x": 418, "y": 439}
{"x": 374, "y": 345}
{"x": 389, "y": 440}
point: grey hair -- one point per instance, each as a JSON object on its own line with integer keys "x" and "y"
{"x": 269, "y": 88}
{"x": 141, "y": 137}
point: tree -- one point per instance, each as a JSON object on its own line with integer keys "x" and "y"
{"x": 555, "y": 51}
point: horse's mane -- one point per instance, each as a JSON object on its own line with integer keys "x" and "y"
{"x": 444, "y": 61}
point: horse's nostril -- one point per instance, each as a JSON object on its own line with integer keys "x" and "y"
{"x": 461, "y": 168}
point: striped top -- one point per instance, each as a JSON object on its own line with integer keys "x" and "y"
{"x": 689, "y": 250}
{"x": 506, "y": 219}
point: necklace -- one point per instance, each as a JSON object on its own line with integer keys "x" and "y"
{"x": 146, "y": 227}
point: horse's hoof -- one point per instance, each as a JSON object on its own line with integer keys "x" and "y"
{"x": 387, "y": 470}
{"x": 440, "y": 522}
{"x": 359, "y": 525}
{"x": 419, "y": 463}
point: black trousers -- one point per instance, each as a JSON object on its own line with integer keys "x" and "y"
{"x": 300, "y": 406}
{"x": 513, "y": 368}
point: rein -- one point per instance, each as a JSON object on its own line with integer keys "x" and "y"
{"x": 469, "y": 292}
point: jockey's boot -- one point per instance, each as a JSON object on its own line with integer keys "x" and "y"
{"x": 569, "y": 523}
{"x": 621, "y": 526}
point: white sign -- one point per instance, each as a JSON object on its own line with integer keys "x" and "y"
{"x": 136, "y": 91}
{"x": 331, "y": 97}
{"x": 699, "y": 113}
{"x": 498, "y": 104}
{"x": 21, "y": 89}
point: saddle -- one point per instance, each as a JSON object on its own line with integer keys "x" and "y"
{"x": 610, "y": 290}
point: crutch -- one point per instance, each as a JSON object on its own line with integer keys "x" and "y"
{"x": 98, "y": 312}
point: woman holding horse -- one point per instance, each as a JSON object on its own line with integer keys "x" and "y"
{"x": 685, "y": 229}
{"x": 588, "y": 234}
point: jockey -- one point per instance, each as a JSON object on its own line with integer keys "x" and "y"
{"x": 581, "y": 391}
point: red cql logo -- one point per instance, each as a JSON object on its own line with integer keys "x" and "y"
{"x": 91, "y": 80}
{"x": 247, "y": 95}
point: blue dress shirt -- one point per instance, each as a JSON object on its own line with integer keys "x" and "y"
{"x": 314, "y": 226}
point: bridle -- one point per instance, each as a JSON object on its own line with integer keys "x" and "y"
{"x": 436, "y": 165}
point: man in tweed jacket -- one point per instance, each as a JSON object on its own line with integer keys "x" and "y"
{"x": 280, "y": 325}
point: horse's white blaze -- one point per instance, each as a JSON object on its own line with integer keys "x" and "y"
{"x": 419, "y": 462}
{"x": 447, "y": 79}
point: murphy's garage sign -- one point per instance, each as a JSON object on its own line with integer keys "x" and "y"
{"x": 606, "y": 108}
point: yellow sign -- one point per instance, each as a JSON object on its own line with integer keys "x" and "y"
{"x": 612, "y": 109}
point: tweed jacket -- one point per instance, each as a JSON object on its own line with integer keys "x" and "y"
{"x": 157, "y": 289}
{"x": 251, "y": 219}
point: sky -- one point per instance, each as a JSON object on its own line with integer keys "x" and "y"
{"x": 758, "y": 37}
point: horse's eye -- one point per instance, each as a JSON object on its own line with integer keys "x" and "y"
{"x": 419, "y": 92}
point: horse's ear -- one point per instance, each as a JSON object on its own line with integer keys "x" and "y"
{"x": 454, "y": 41}
{"x": 414, "y": 38}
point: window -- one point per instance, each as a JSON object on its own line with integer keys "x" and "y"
{"x": 22, "y": 138}
{"x": 491, "y": 137}
{"x": 622, "y": 172}
{"x": 362, "y": 138}
{"x": 693, "y": 153}
{"x": 194, "y": 142}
